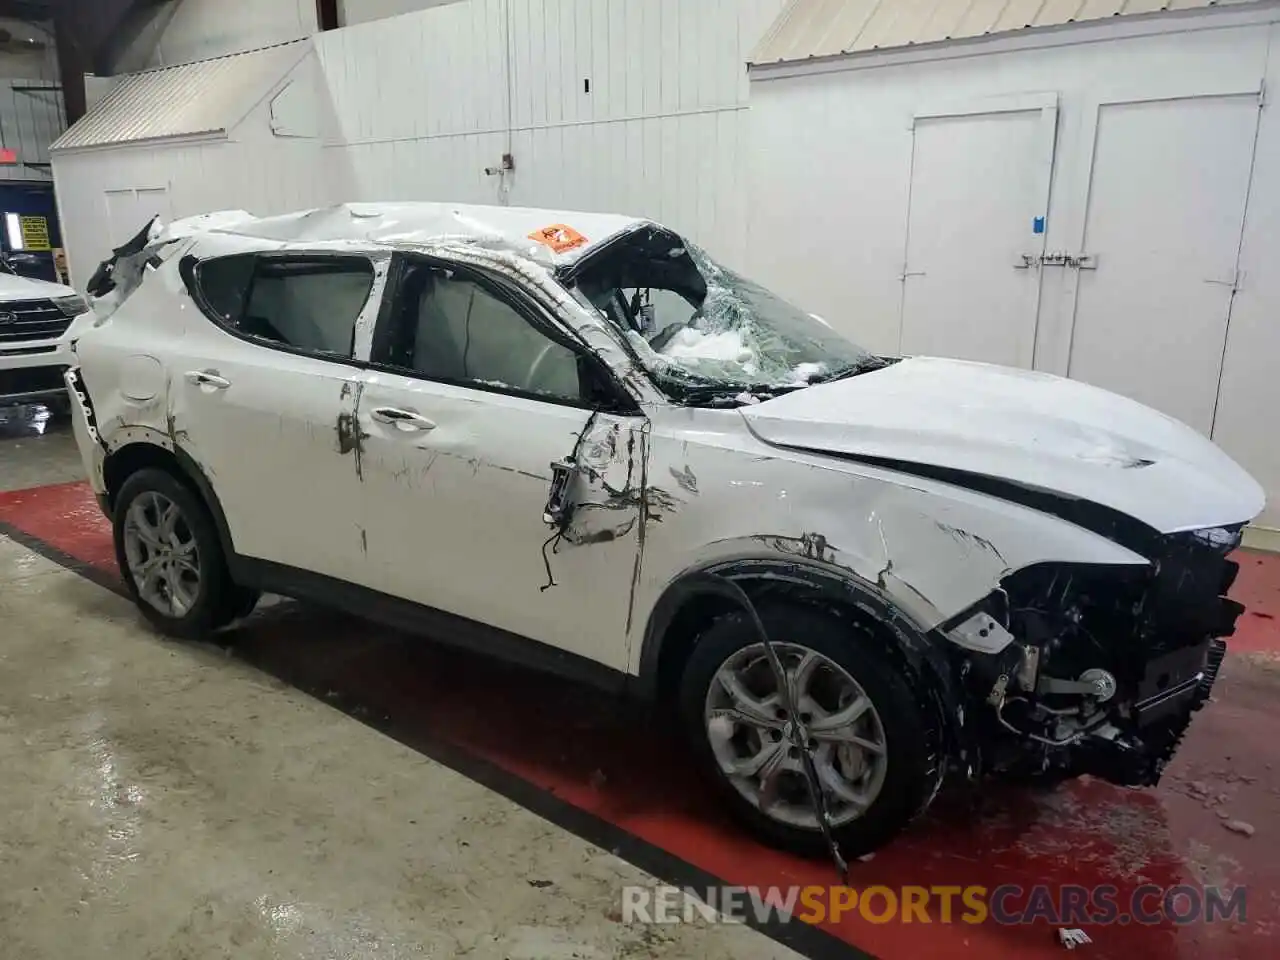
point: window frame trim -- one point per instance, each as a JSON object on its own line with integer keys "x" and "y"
{"x": 623, "y": 403}
{"x": 189, "y": 270}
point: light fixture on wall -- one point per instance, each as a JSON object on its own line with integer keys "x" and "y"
{"x": 13, "y": 232}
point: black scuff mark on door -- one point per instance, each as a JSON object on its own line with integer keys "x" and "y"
{"x": 686, "y": 478}
{"x": 364, "y": 541}
{"x": 644, "y": 513}
{"x": 351, "y": 436}
{"x": 608, "y": 535}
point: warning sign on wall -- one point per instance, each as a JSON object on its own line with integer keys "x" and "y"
{"x": 35, "y": 233}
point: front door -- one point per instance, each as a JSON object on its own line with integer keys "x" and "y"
{"x": 474, "y": 395}
{"x": 265, "y": 403}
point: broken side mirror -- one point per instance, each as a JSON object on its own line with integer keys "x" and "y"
{"x": 557, "y": 512}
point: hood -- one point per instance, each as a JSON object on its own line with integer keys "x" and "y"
{"x": 1031, "y": 429}
{"x": 16, "y": 289}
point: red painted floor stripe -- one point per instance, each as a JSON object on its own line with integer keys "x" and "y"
{"x": 603, "y": 758}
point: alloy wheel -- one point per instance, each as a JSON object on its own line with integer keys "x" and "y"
{"x": 163, "y": 557}
{"x": 752, "y": 735}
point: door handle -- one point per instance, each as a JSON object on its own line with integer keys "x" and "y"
{"x": 207, "y": 378}
{"x": 404, "y": 419}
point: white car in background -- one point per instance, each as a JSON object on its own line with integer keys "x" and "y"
{"x": 578, "y": 441}
{"x": 37, "y": 325}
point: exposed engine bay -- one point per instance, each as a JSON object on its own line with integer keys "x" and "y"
{"x": 1073, "y": 669}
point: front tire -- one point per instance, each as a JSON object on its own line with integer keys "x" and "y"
{"x": 171, "y": 558}
{"x": 871, "y": 739}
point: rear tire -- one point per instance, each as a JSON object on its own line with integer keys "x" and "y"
{"x": 899, "y": 781}
{"x": 171, "y": 558}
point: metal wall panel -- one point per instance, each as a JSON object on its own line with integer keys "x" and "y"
{"x": 31, "y": 118}
{"x": 632, "y": 105}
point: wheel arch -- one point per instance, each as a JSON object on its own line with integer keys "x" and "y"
{"x": 697, "y": 597}
{"x": 127, "y": 460}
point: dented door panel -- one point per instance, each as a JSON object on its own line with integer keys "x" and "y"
{"x": 275, "y": 447}
{"x": 455, "y": 510}
{"x": 273, "y": 431}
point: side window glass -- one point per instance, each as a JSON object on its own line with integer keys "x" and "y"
{"x": 459, "y": 331}
{"x": 224, "y": 283}
{"x": 310, "y": 303}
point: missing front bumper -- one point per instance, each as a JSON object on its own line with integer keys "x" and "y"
{"x": 1171, "y": 693}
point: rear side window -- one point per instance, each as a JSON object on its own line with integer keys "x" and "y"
{"x": 308, "y": 303}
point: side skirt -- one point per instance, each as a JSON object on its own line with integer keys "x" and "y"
{"x": 437, "y": 625}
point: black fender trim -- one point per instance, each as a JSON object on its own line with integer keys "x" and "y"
{"x": 920, "y": 648}
{"x": 196, "y": 475}
{"x": 190, "y": 470}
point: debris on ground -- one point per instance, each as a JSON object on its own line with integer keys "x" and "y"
{"x": 1240, "y": 827}
{"x": 1072, "y": 938}
{"x": 541, "y": 884}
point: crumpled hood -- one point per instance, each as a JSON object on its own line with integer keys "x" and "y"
{"x": 1034, "y": 429}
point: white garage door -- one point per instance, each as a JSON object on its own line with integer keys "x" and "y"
{"x": 1164, "y": 219}
{"x": 979, "y": 189}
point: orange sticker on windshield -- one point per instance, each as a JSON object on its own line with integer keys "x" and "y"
{"x": 559, "y": 237}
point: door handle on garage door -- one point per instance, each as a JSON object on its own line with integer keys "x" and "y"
{"x": 207, "y": 378}
{"x": 404, "y": 419}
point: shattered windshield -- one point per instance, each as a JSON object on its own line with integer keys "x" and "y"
{"x": 703, "y": 330}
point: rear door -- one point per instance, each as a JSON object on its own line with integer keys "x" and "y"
{"x": 264, "y": 400}
{"x": 472, "y": 396}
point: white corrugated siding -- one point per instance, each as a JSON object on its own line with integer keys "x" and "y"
{"x": 826, "y": 28}
{"x": 210, "y": 96}
{"x": 633, "y": 106}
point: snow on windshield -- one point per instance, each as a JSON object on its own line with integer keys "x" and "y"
{"x": 724, "y": 355}
{"x": 743, "y": 334}
{"x": 698, "y": 325}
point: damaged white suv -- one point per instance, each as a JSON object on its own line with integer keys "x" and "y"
{"x": 578, "y": 441}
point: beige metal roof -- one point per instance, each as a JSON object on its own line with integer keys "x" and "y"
{"x": 826, "y": 28}
{"x": 206, "y": 97}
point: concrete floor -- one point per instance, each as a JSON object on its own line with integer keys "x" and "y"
{"x": 169, "y": 801}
